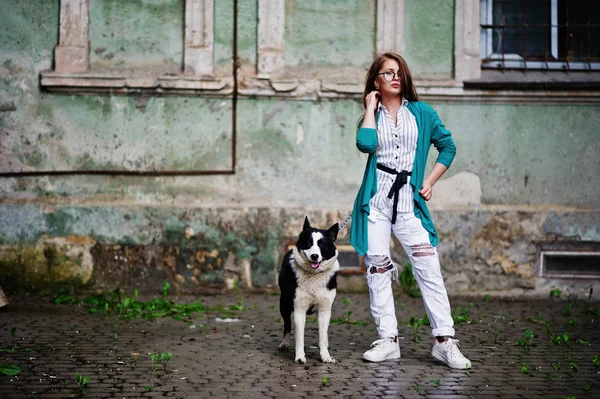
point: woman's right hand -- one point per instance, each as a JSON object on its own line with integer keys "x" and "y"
{"x": 372, "y": 100}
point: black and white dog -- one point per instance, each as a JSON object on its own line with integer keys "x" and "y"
{"x": 308, "y": 282}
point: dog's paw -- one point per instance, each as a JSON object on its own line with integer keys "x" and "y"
{"x": 283, "y": 347}
{"x": 300, "y": 360}
{"x": 327, "y": 359}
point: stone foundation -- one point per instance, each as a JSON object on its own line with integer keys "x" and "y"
{"x": 78, "y": 248}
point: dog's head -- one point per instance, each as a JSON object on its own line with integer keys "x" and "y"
{"x": 316, "y": 248}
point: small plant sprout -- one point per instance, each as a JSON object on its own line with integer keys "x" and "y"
{"x": 326, "y": 381}
{"x": 589, "y": 298}
{"x": 556, "y": 365}
{"x": 415, "y": 388}
{"x": 461, "y": 315}
{"x": 81, "y": 384}
{"x": 408, "y": 282}
{"x": 595, "y": 361}
{"x": 574, "y": 366}
{"x": 148, "y": 388}
{"x": 555, "y": 293}
{"x": 487, "y": 298}
{"x": 160, "y": 359}
{"x": 9, "y": 369}
{"x": 569, "y": 310}
{"x": 436, "y": 382}
{"x": 526, "y": 342}
{"x": 346, "y": 301}
{"x": 496, "y": 332}
{"x": 416, "y": 323}
{"x": 166, "y": 287}
{"x": 559, "y": 339}
{"x": 525, "y": 369}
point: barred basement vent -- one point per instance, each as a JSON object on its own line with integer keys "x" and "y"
{"x": 350, "y": 261}
{"x": 570, "y": 264}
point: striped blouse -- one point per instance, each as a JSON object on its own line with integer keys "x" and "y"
{"x": 397, "y": 146}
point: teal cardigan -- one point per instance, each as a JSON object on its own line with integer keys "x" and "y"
{"x": 431, "y": 131}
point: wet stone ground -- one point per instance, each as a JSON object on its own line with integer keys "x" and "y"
{"x": 519, "y": 349}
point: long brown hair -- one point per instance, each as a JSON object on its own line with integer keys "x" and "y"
{"x": 408, "y": 88}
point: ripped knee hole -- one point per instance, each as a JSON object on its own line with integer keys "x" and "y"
{"x": 423, "y": 249}
{"x": 379, "y": 263}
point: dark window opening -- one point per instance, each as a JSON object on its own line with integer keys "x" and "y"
{"x": 541, "y": 34}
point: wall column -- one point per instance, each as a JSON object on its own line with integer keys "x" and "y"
{"x": 73, "y": 51}
{"x": 199, "y": 37}
{"x": 271, "y": 28}
{"x": 467, "y": 59}
{"x": 390, "y": 26}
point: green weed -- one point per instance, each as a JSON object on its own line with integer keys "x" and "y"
{"x": 526, "y": 342}
{"x": 559, "y": 339}
{"x": 555, "y": 293}
{"x": 415, "y": 324}
{"x": 436, "y": 382}
{"x": 487, "y": 298}
{"x": 160, "y": 359}
{"x": 348, "y": 320}
{"x": 525, "y": 369}
{"x": 415, "y": 388}
{"x": 461, "y": 315}
{"x": 595, "y": 361}
{"x": 556, "y": 365}
{"x": 569, "y": 310}
{"x": 128, "y": 308}
{"x": 9, "y": 369}
{"x": 408, "y": 282}
{"x": 82, "y": 383}
{"x": 573, "y": 366}
{"x": 326, "y": 381}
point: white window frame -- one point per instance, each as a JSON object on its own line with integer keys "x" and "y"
{"x": 516, "y": 61}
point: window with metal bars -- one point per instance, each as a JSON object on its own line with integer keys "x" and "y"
{"x": 540, "y": 34}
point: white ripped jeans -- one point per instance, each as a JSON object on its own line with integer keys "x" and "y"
{"x": 426, "y": 268}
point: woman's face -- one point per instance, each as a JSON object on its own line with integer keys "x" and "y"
{"x": 391, "y": 87}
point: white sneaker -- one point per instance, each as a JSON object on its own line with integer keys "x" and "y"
{"x": 383, "y": 349}
{"x": 449, "y": 353}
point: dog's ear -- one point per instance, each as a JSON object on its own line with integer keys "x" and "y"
{"x": 306, "y": 224}
{"x": 333, "y": 232}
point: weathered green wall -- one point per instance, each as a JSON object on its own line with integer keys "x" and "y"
{"x": 535, "y": 164}
{"x": 429, "y": 38}
{"x": 145, "y": 38}
{"x": 333, "y": 37}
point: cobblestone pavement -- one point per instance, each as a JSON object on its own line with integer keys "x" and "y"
{"x": 212, "y": 358}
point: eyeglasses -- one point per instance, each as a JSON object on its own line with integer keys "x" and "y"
{"x": 389, "y": 75}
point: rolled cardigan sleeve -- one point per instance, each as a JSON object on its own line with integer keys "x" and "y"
{"x": 366, "y": 140}
{"x": 443, "y": 142}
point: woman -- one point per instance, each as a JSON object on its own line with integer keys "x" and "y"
{"x": 397, "y": 131}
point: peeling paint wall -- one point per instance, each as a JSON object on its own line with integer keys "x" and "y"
{"x": 524, "y": 175}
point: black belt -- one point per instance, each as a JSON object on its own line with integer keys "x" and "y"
{"x": 401, "y": 180}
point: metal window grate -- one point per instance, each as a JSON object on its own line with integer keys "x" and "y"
{"x": 570, "y": 264}
{"x": 541, "y": 34}
{"x": 350, "y": 261}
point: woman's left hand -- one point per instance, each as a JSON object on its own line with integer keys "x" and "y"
{"x": 426, "y": 191}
